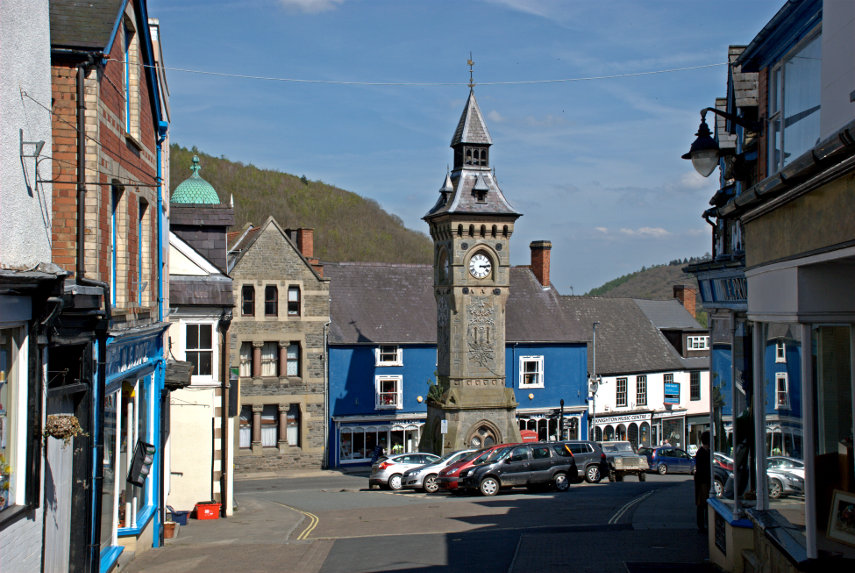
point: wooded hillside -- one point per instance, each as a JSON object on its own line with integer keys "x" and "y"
{"x": 347, "y": 227}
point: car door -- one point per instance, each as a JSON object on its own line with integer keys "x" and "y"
{"x": 514, "y": 469}
{"x": 684, "y": 460}
{"x": 540, "y": 466}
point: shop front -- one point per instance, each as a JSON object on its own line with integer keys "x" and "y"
{"x": 549, "y": 425}
{"x": 637, "y": 429}
{"x": 131, "y": 422}
{"x": 357, "y": 438}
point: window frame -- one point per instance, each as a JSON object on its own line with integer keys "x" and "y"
{"x": 782, "y": 404}
{"x": 780, "y": 352}
{"x": 244, "y": 300}
{"x": 379, "y": 358}
{"x": 295, "y": 304}
{"x": 201, "y": 378}
{"x": 698, "y": 342}
{"x": 271, "y": 300}
{"x": 539, "y": 373}
{"x": 296, "y": 359}
{"x": 694, "y": 385}
{"x": 397, "y": 404}
{"x": 621, "y": 392}
{"x": 641, "y": 390}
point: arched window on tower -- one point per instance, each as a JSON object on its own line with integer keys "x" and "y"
{"x": 483, "y": 230}
{"x": 493, "y": 233}
{"x": 471, "y": 230}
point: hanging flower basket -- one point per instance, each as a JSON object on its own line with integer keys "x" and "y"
{"x": 63, "y": 427}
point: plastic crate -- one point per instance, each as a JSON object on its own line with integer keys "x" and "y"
{"x": 179, "y": 517}
{"x": 207, "y": 510}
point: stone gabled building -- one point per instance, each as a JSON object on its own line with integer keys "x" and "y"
{"x": 277, "y": 347}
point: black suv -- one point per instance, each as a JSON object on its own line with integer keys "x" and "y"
{"x": 535, "y": 466}
{"x": 591, "y": 462}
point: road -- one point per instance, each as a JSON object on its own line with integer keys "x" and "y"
{"x": 332, "y": 522}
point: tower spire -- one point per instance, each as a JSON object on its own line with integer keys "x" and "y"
{"x": 471, "y": 63}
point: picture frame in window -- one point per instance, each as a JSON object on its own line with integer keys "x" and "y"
{"x": 841, "y": 518}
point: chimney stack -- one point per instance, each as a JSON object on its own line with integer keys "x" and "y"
{"x": 306, "y": 242}
{"x": 686, "y": 295}
{"x": 540, "y": 260}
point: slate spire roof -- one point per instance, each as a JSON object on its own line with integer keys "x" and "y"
{"x": 471, "y": 127}
{"x": 471, "y": 188}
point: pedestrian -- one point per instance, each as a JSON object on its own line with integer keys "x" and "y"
{"x": 379, "y": 450}
{"x": 702, "y": 481}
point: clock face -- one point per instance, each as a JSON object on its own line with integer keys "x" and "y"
{"x": 479, "y": 266}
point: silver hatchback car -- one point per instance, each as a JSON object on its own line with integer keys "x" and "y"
{"x": 424, "y": 477}
{"x": 388, "y": 471}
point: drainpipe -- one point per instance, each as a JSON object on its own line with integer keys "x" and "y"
{"x": 162, "y": 128}
{"x": 326, "y": 358}
{"x": 225, "y": 323}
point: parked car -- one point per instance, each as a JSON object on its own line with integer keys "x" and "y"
{"x": 591, "y": 462}
{"x": 668, "y": 459}
{"x": 447, "y": 479}
{"x": 786, "y": 476}
{"x": 720, "y": 477}
{"x": 424, "y": 477}
{"x": 535, "y": 466}
{"x": 723, "y": 461}
{"x": 624, "y": 461}
{"x": 388, "y": 470}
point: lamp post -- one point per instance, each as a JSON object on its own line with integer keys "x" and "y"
{"x": 705, "y": 153}
{"x": 593, "y": 385}
{"x": 561, "y": 421}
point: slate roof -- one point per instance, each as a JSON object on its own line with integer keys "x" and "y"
{"x": 669, "y": 315}
{"x": 373, "y": 303}
{"x": 471, "y": 127}
{"x": 627, "y": 341}
{"x": 201, "y": 291}
{"x": 84, "y": 24}
{"x": 464, "y": 198}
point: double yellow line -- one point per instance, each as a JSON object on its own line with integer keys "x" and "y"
{"x": 313, "y": 521}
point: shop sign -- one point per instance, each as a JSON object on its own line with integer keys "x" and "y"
{"x": 672, "y": 393}
{"x": 125, "y": 356}
{"x": 620, "y": 419}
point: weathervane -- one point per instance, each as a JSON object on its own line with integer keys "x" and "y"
{"x": 471, "y": 63}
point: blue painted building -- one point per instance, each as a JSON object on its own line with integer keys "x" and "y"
{"x": 382, "y": 358}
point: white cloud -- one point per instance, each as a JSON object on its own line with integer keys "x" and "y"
{"x": 495, "y": 116}
{"x": 654, "y": 232}
{"x": 693, "y": 180}
{"x": 311, "y": 6}
{"x": 603, "y": 230}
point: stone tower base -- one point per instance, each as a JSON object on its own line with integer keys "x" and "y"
{"x": 470, "y": 427}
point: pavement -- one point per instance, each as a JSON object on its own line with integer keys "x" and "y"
{"x": 653, "y": 532}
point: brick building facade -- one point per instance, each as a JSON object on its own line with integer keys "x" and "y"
{"x": 278, "y": 348}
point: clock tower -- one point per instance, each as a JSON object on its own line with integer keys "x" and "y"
{"x": 471, "y": 225}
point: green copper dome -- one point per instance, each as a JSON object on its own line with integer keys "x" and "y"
{"x": 194, "y": 189}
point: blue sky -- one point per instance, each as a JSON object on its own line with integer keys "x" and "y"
{"x": 593, "y": 164}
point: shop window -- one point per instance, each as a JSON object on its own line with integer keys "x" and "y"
{"x": 293, "y": 428}
{"x": 694, "y": 385}
{"x": 620, "y": 392}
{"x": 270, "y": 425}
{"x": 641, "y": 390}
{"x": 293, "y": 301}
{"x": 18, "y": 479}
{"x": 247, "y": 303}
{"x": 271, "y": 300}
{"x": 293, "y": 357}
{"x": 531, "y": 371}
{"x": 110, "y": 462}
{"x": 133, "y": 426}
{"x": 245, "y": 359}
{"x": 389, "y": 355}
{"x": 245, "y": 429}
{"x": 270, "y": 359}
{"x": 794, "y": 104}
{"x": 388, "y": 392}
{"x": 199, "y": 349}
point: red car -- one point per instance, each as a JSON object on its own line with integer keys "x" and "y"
{"x": 447, "y": 478}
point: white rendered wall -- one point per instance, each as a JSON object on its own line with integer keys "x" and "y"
{"x": 838, "y": 65}
{"x": 25, "y": 100}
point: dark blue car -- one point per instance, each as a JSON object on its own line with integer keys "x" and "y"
{"x": 668, "y": 459}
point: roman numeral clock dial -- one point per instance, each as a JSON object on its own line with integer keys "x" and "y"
{"x": 479, "y": 266}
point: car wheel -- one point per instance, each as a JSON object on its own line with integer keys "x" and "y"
{"x": 593, "y": 475}
{"x": 561, "y": 482}
{"x": 489, "y": 486}
{"x": 395, "y": 482}
{"x": 776, "y": 488}
{"x": 718, "y": 487}
{"x": 430, "y": 484}
{"x": 642, "y": 476}
{"x": 662, "y": 469}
